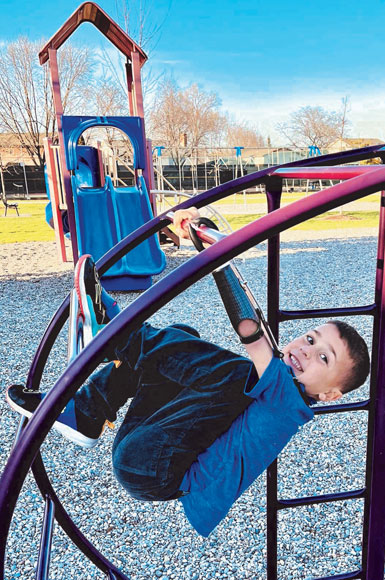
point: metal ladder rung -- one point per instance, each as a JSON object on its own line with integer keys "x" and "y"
{"x": 357, "y": 575}
{"x": 317, "y": 499}
{"x": 368, "y": 310}
{"x": 343, "y": 408}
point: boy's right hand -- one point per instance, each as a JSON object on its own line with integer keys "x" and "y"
{"x": 182, "y": 217}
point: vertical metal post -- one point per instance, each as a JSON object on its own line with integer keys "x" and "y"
{"x": 25, "y": 181}
{"x": 374, "y": 550}
{"x": 54, "y": 73}
{"x": 137, "y": 85}
{"x": 53, "y": 184}
{"x": 129, "y": 87}
{"x": 46, "y": 540}
{"x": 273, "y": 193}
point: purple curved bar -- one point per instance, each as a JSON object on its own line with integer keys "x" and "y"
{"x": 160, "y": 221}
{"x": 34, "y": 434}
{"x": 149, "y": 302}
{"x": 68, "y": 525}
{"x": 226, "y": 189}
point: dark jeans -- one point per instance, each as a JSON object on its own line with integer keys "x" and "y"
{"x": 186, "y": 392}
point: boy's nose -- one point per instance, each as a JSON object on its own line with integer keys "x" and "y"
{"x": 306, "y": 351}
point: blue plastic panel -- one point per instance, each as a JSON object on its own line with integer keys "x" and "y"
{"x": 74, "y": 126}
{"x": 104, "y": 216}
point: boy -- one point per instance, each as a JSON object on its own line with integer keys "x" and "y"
{"x": 204, "y": 422}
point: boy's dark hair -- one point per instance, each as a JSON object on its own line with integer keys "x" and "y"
{"x": 358, "y": 352}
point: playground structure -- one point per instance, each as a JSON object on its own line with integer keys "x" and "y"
{"x": 358, "y": 181}
{"x": 80, "y": 165}
{"x": 100, "y": 213}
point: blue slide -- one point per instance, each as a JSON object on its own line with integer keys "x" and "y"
{"x": 105, "y": 215}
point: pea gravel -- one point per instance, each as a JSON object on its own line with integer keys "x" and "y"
{"x": 154, "y": 540}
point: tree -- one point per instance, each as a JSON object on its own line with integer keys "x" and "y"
{"x": 185, "y": 117}
{"x": 243, "y": 135}
{"x": 108, "y": 98}
{"x": 140, "y": 20}
{"x": 314, "y": 126}
{"x": 137, "y": 21}
{"x": 26, "y": 108}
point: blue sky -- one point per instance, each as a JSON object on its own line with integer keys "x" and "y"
{"x": 264, "y": 60}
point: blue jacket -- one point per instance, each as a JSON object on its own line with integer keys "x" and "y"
{"x": 230, "y": 465}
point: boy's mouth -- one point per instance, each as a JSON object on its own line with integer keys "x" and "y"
{"x": 295, "y": 362}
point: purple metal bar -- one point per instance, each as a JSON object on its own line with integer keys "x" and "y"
{"x": 68, "y": 525}
{"x": 379, "y": 289}
{"x": 325, "y": 498}
{"x": 225, "y": 190}
{"x": 273, "y": 195}
{"x": 376, "y": 518}
{"x": 46, "y": 540}
{"x": 324, "y": 172}
{"x": 343, "y": 407}
{"x": 357, "y": 575}
{"x": 35, "y": 432}
{"x": 369, "y": 310}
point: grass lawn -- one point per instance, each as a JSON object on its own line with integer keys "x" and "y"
{"x": 328, "y": 221}
{"x": 31, "y": 225}
{"x": 238, "y": 198}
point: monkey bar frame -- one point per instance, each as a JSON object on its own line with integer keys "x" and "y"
{"x": 25, "y": 453}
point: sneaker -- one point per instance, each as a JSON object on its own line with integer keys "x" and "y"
{"x": 89, "y": 292}
{"x": 72, "y": 423}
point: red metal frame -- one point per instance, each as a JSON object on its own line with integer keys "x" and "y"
{"x": 53, "y": 182}
{"x": 136, "y": 57}
{"x": 91, "y": 12}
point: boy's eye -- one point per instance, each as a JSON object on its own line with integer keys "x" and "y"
{"x": 324, "y": 358}
{"x": 309, "y": 339}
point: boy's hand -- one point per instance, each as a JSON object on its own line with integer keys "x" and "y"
{"x": 181, "y": 219}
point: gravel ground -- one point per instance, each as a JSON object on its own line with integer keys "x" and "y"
{"x": 154, "y": 540}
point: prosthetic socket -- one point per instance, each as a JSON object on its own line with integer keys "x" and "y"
{"x": 237, "y": 298}
{"x": 238, "y": 307}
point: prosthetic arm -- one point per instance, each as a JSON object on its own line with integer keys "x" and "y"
{"x": 237, "y": 298}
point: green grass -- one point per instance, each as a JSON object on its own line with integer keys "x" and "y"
{"x": 328, "y": 221}
{"x": 238, "y": 198}
{"x": 29, "y": 227}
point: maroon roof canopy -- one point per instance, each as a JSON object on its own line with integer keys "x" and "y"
{"x": 91, "y": 12}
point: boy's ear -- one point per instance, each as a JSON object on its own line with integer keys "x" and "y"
{"x": 332, "y": 395}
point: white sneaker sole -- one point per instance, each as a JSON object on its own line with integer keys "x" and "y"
{"x": 67, "y": 432}
{"x": 82, "y": 298}
{"x": 90, "y": 326}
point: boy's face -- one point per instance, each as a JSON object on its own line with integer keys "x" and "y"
{"x": 320, "y": 360}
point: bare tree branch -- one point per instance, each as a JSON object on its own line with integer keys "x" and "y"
{"x": 242, "y": 134}
{"x": 314, "y": 126}
{"x": 185, "y": 117}
{"x": 26, "y": 108}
